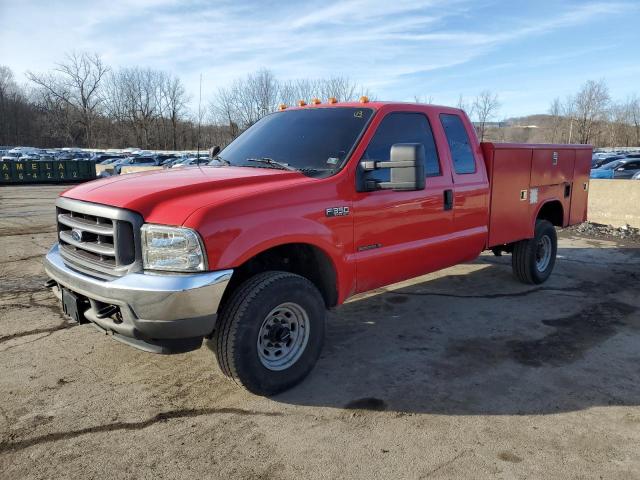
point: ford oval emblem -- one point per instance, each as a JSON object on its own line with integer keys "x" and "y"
{"x": 76, "y": 235}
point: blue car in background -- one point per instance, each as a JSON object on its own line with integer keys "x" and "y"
{"x": 601, "y": 173}
{"x": 625, "y": 168}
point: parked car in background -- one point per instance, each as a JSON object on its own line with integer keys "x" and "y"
{"x": 619, "y": 169}
{"x": 604, "y": 172}
{"x": 65, "y": 155}
{"x": 172, "y": 162}
{"x": 11, "y": 156}
{"x": 136, "y": 161}
{"x": 17, "y": 153}
{"x": 163, "y": 159}
{"x": 599, "y": 162}
{"x": 109, "y": 159}
{"x": 627, "y": 167}
{"x": 192, "y": 162}
{"x": 30, "y": 157}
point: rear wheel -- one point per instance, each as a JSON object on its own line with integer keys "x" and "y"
{"x": 270, "y": 332}
{"x": 533, "y": 259}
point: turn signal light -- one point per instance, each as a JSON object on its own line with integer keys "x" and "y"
{"x": 301, "y": 103}
{"x": 332, "y": 100}
{"x": 316, "y": 101}
{"x": 282, "y": 106}
{"x": 364, "y": 99}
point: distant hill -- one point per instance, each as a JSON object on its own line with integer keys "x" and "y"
{"x": 540, "y": 120}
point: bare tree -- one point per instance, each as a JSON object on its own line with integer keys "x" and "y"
{"x": 591, "y": 104}
{"x": 462, "y": 104}
{"x": 18, "y": 113}
{"x": 223, "y": 111}
{"x": 619, "y": 125}
{"x": 557, "y": 120}
{"x": 175, "y": 100}
{"x": 76, "y": 82}
{"x": 141, "y": 98}
{"x": 485, "y": 107}
{"x": 340, "y": 88}
{"x": 633, "y": 105}
{"x": 9, "y": 92}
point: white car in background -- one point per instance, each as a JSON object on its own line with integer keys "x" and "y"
{"x": 191, "y": 162}
{"x": 19, "y": 152}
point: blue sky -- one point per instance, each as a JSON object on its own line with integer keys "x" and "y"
{"x": 527, "y": 52}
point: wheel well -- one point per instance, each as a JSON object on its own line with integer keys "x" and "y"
{"x": 300, "y": 258}
{"x": 553, "y": 212}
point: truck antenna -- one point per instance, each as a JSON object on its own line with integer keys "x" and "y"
{"x": 199, "y": 116}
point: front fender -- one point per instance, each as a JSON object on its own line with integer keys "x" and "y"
{"x": 232, "y": 240}
{"x": 258, "y": 238}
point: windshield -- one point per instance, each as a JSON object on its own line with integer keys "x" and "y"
{"x": 612, "y": 165}
{"x": 310, "y": 140}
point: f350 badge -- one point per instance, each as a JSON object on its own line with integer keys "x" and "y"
{"x": 337, "y": 211}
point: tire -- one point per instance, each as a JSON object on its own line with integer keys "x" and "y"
{"x": 533, "y": 259}
{"x": 261, "y": 305}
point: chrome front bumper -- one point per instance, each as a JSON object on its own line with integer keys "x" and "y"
{"x": 152, "y": 307}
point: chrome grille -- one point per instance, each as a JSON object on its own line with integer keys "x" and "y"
{"x": 96, "y": 239}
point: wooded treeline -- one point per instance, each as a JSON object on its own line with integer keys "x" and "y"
{"x": 83, "y": 102}
{"x": 590, "y": 116}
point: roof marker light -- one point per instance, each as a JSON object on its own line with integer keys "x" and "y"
{"x": 332, "y": 100}
{"x": 364, "y": 99}
{"x": 316, "y": 101}
{"x": 301, "y": 103}
{"x": 283, "y": 106}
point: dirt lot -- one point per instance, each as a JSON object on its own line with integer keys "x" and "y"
{"x": 463, "y": 373}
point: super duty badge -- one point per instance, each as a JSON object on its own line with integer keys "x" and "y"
{"x": 337, "y": 211}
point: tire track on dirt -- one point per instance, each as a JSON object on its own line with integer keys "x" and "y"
{"x": 12, "y": 446}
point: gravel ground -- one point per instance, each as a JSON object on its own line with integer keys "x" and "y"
{"x": 460, "y": 374}
{"x": 598, "y": 230}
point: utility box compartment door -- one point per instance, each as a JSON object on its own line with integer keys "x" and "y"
{"x": 580, "y": 187}
{"x": 551, "y": 167}
{"x": 510, "y": 172}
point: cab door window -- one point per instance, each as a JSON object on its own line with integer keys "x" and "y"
{"x": 402, "y": 128}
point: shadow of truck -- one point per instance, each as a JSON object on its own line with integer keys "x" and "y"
{"x": 473, "y": 341}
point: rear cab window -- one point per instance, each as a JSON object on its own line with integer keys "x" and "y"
{"x": 459, "y": 145}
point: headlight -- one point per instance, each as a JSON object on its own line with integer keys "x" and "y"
{"x": 172, "y": 248}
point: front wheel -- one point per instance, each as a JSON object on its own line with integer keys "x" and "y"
{"x": 533, "y": 259}
{"x": 270, "y": 332}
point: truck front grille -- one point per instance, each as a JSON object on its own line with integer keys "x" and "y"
{"x": 97, "y": 239}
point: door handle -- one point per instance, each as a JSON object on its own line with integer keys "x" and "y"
{"x": 448, "y": 199}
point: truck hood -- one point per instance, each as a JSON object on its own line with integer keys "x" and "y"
{"x": 170, "y": 196}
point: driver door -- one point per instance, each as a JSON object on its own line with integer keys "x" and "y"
{"x": 402, "y": 234}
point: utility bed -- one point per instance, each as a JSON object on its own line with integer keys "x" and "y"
{"x": 523, "y": 177}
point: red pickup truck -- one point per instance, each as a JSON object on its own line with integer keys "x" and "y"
{"x": 306, "y": 208}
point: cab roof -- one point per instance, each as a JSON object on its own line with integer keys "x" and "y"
{"x": 374, "y": 105}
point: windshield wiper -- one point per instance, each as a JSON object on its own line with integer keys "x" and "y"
{"x": 315, "y": 169}
{"x": 272, "y": 162}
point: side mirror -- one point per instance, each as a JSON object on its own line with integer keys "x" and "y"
{"x": 407, "y": 164}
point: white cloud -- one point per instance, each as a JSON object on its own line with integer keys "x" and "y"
{"x": 381, "y": 43}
